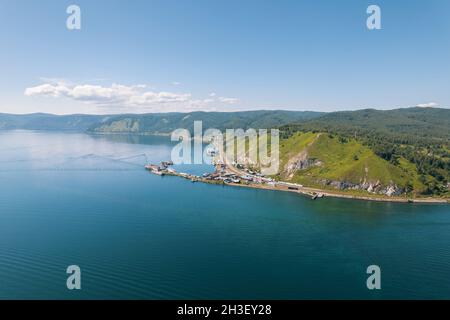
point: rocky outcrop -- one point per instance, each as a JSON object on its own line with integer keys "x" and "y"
{"x": 351, "y": 177}
{"x": 371, "y": 187}
{"x": 124, "y": 125}
{"x": 301, "y": 161}
{"x": 302, "y": 164}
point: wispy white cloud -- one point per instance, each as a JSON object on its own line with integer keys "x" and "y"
{"x": 228, "y": 100}
{"x": 427, "y": 105}
{"x": 129, "y": 98}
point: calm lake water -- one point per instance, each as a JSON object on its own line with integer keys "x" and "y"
{"x": 77, "y": 199}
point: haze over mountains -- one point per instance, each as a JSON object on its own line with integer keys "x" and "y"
{"x": 153, "y": 123}
{"x": 416, "y": 121}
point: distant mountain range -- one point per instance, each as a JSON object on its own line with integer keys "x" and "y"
{"x": 404, "y": 123}
{"x": 410, "y": 122}
{"x": 155, "y": 123}
{"x": 43, "y": 121}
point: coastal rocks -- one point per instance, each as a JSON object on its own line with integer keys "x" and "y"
{"x": 390, "y": 191}
{"x": 393, "y": 190}
{"x": 371, "y": 187}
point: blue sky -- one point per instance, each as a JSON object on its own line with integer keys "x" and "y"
{"x": 180, "y": 55}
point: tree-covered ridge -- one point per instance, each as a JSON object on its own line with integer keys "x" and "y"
{"x": 154, "y": 123}
{"x": 409, "y": 125}
{"x": 164, "y": 123}
{"x": 418, "y": 136}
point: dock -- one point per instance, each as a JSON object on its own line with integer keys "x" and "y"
{"x": 228, "y": 175}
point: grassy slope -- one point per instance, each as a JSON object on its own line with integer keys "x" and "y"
{"x": 294, "y": 145}
{"x": 408, "y": 122}
{"x": 347, "y": 161}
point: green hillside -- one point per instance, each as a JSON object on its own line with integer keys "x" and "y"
{"x": 334, "y": 162}
{"x": 416, "y": 140}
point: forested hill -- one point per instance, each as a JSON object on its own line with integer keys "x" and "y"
{"x": 420, "y": 136}
{"x": 399, "y": 124}
{"x": 164, "y": 123}
{"x": 44, "y": 121}
{"x": 154, "y": 123}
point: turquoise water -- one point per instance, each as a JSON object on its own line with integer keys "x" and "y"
{"x": 75, "y": 199}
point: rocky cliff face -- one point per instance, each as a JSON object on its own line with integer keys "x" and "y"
{"x": 120, "y": 126}
{"x": 303, "y": 162}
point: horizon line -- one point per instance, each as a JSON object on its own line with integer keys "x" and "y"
{"x": 204, "y": 111}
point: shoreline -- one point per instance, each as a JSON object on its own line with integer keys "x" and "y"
{"x": 315, "y": 193}
{"x": 310, "y": 191}
{"x": 327, "y": 193}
